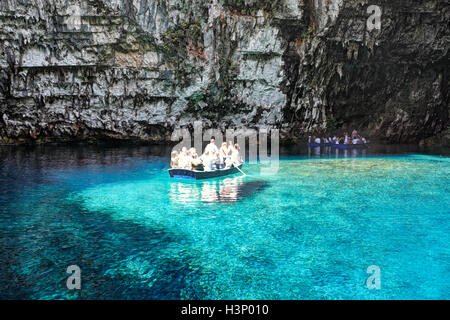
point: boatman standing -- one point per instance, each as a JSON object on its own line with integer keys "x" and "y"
{"x": 211, "y": 147}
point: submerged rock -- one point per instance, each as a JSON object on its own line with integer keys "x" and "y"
{"x": 94, "y": 69}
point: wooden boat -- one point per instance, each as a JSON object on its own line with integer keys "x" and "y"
{"x": 313, "y": 144}
{"x": 199, "y": 175}
{"x": 350, "y": 146}
{"x": 339, "y": 146}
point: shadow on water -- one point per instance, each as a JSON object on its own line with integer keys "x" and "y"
{"x": 109, "y": 252}
{"x": 216, "y": 190}
{"x": 43, "y": 233}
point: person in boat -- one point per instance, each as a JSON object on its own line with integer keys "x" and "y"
{"x": 193, "y": 153}
{"x": 228, "y": 153}
{"x": 354, "y": 134}
{"x": 317, "y": 140}
{"x": 212, "y": 146}
{"x": 174, "y": 159}
{"x": 196, "y": 162}
{"x": 346, "y": 138}
{"x": 228, "y": 163}
{"x": 215, "y": 160}
{"x": 230, "y": 148}
{"x": 210, "y": 160}
{"x": 188, "y": 160}
{"x": 182, "y": 158}
{"x": 235, "y": 155}
{"x": 224, "y": 150}
{"x": 192, "y": 156}
{"x": 207, "y": 161}
{"x": 223, "y": 154}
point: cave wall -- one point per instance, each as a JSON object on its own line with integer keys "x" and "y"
{"x": 138, "y": 69}
{"x": 392, "y": 84}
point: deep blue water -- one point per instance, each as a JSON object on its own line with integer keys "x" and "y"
{"x": 308, "y": 232}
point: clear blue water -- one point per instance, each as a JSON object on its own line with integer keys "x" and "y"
{"x": 309, "y": 232}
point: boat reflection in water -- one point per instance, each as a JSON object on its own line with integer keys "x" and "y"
{"x": 320, "y": 152}
{"x": 216, "y": 190}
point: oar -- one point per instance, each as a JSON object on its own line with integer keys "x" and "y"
{"x": 245, "y": 175}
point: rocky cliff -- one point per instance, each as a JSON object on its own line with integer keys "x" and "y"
{"x": 139, "y": 69}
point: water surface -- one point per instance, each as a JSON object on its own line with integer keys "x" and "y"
{"x": 308, "y": 232}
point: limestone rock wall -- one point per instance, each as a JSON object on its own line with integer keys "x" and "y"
{"x": 138, "y": 69}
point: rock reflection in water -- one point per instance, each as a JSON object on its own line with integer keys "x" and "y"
{"x": 220, "y": 190}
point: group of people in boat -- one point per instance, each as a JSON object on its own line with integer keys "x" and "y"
{"x": 213, "y": 158}
{"x": 355, "y": 138}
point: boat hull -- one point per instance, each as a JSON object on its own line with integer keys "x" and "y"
{"x": 200, "y": 175}
{"x": 339, "y": 146}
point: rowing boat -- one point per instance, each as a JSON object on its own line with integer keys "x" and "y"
{"x": 339, "y": 146}
{"x": 350, "y": 146}
{"x": 199, "y": 175}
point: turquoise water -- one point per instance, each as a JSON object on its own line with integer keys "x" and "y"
{"x": 308, "y": 232}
